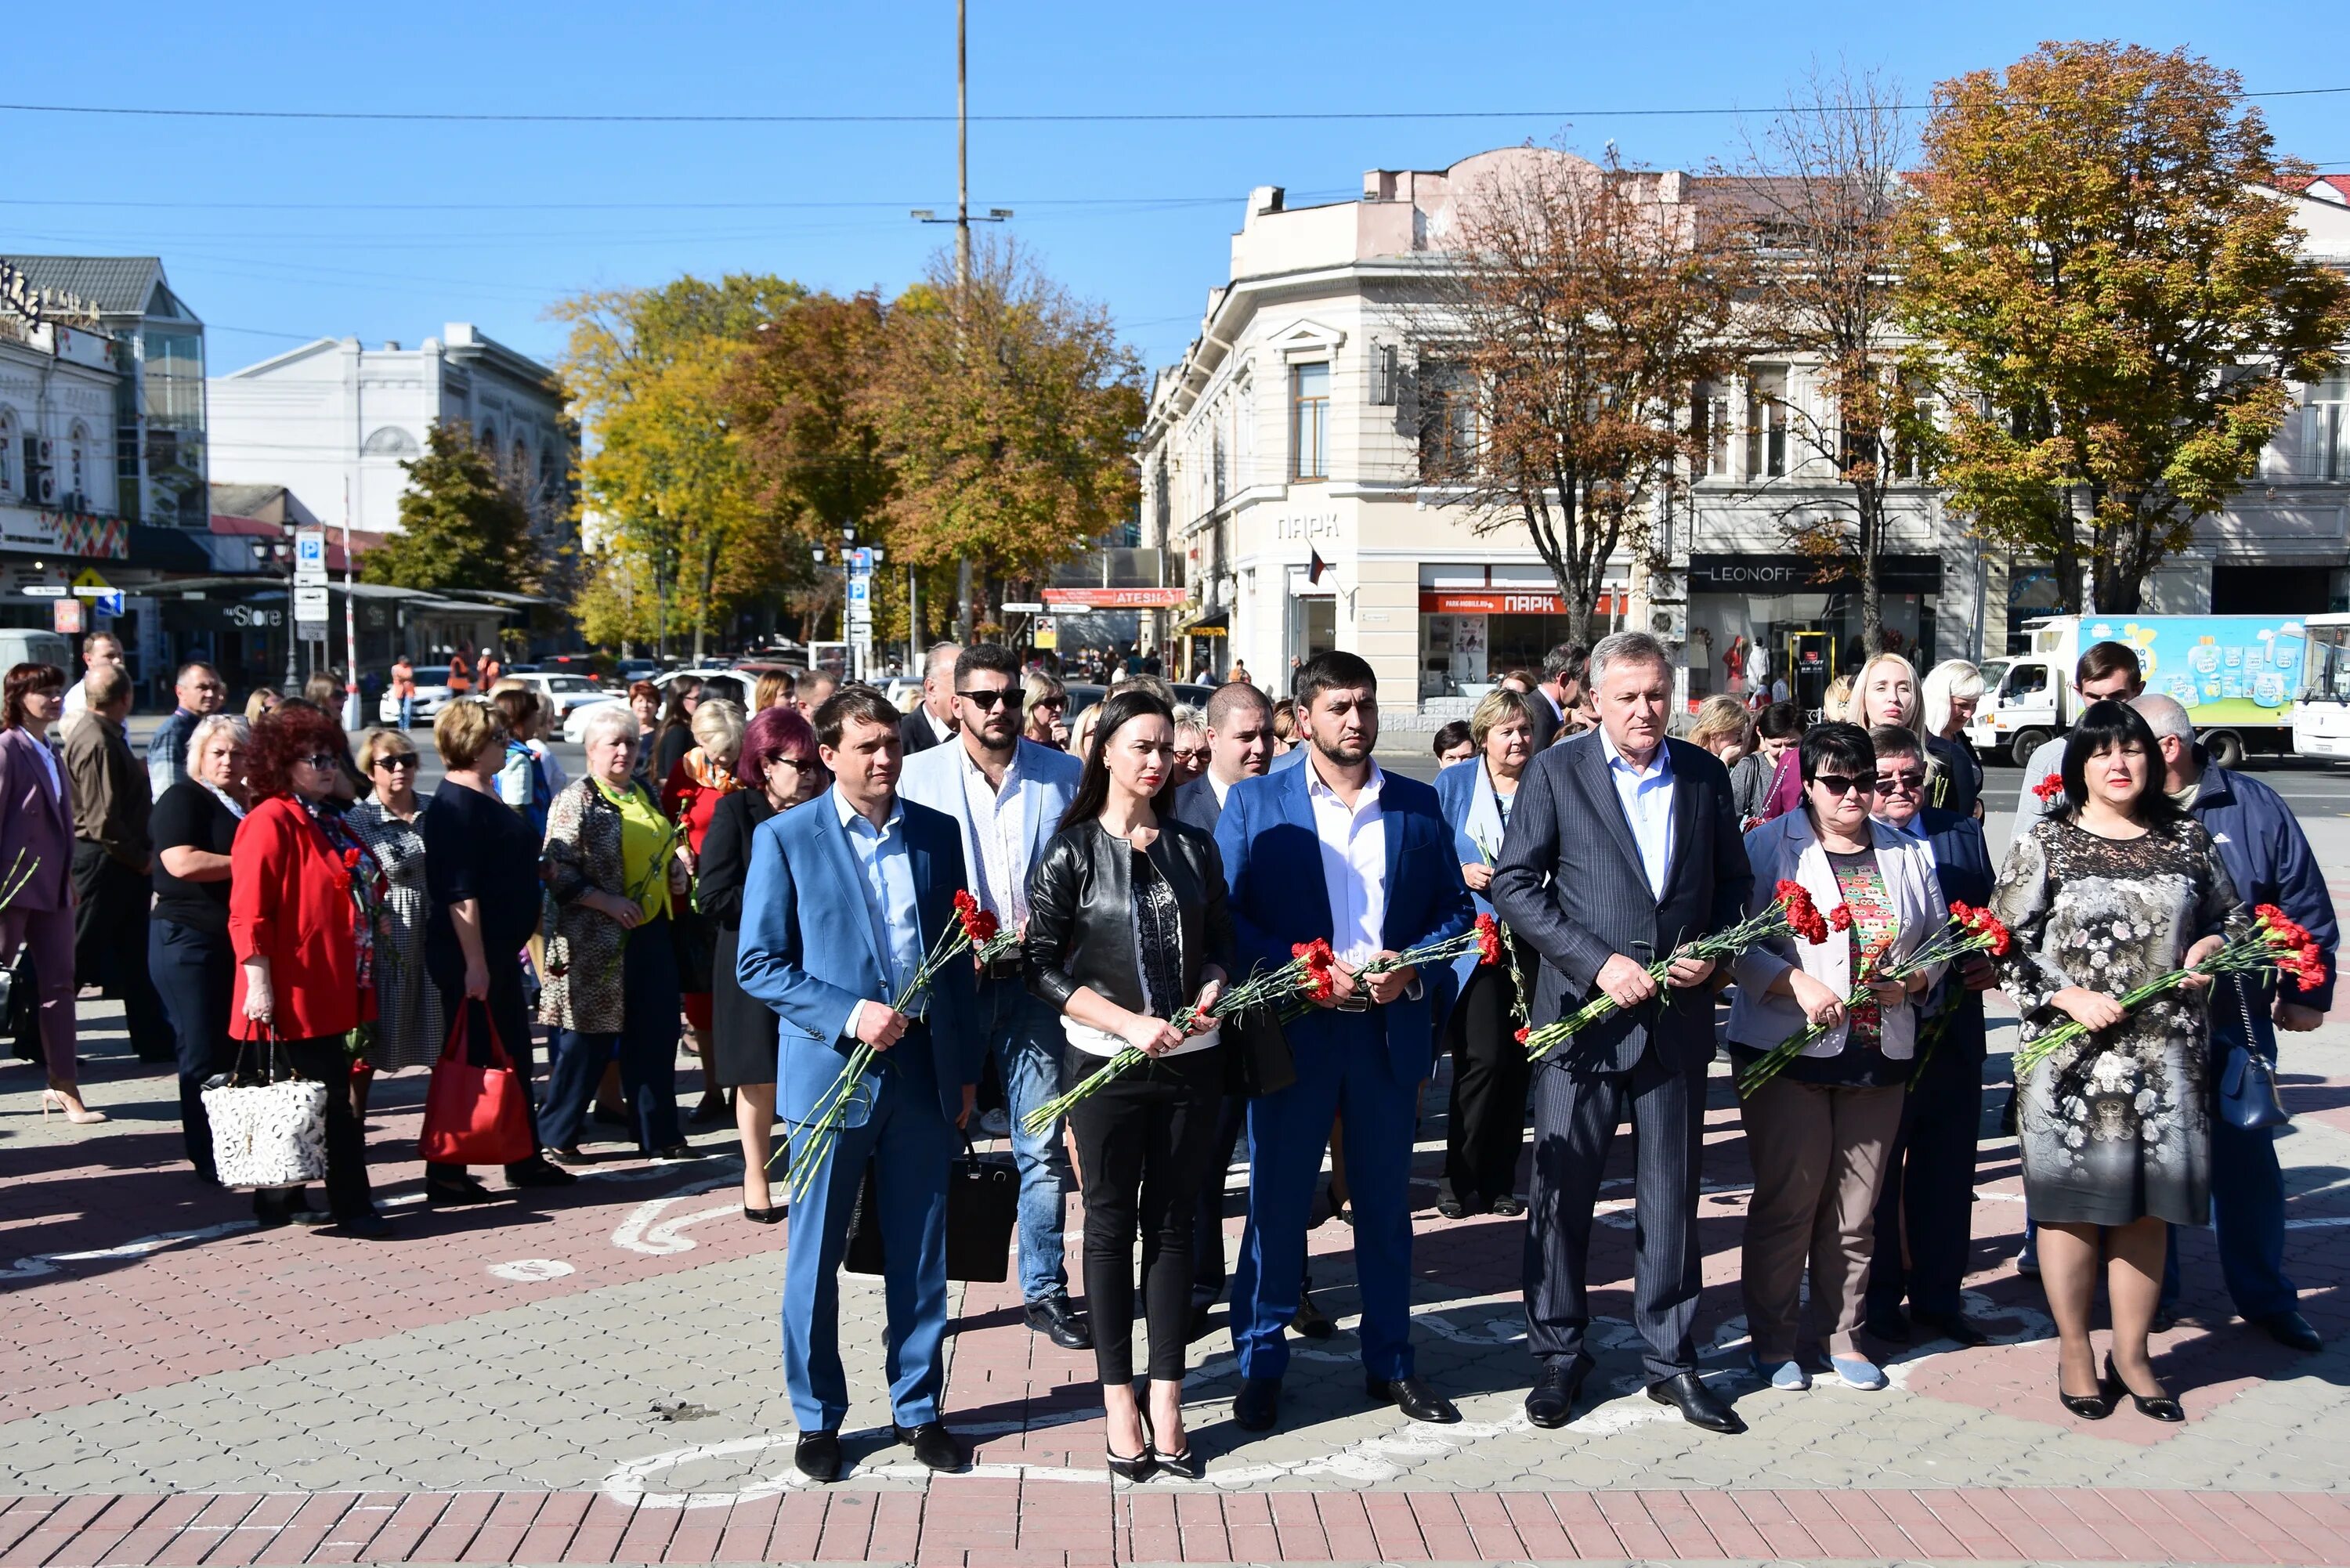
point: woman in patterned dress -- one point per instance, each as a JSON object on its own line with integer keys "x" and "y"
{"x": 2116, "y": 888}
{"x": 408, "y": 1009}
{"x": 1820, "y": 1133}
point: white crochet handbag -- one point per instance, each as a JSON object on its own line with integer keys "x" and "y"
{"x": 268, "y": 1134}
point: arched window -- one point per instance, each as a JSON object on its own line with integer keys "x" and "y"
{"x": 391, "y": 441}
{"x": 7, "y": 452}
{"x": 489, "y": 441}
{"x": 519, "y": 474}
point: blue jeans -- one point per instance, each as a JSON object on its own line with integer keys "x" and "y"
{"x": 407, "y": 711}
{"x": 1024, "y": 1034}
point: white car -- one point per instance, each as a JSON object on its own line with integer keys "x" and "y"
{"x": 430, "y": 701}
{"x": 575, "y": 718}
{"x": 562, "y": 693}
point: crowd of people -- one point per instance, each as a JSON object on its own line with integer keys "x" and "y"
{"x": 768, "y": 881}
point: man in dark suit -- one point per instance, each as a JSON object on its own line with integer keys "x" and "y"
{"x": 1559, "y": 691}
{"x": 934, "y": 718}
{"x": 1622, "y": 844}
{"x": 1337, "y": 849}
{"x": 845, "y": 897}
{"x": 1925, "y": 1214}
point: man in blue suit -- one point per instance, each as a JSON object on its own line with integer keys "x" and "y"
{"x": 845, "y": 897}
{"x": 1339, "y": 849}
{"x": 1008, "y": 794}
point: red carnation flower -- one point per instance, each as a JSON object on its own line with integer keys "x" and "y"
{"x": 1522, "y": 1036}
{"x": 1489, "y": 939}
{"x": 1790, "y": 893}
{"x": 1840, "y": 917}
{"x": 350, "y": 860}
{"x": 979, "y": 925}
{"x": 964, "y": 902}
{"x": 2049, "y": 788}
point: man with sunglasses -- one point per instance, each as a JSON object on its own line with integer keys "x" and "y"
{"x": 1925, "y": 1211}
{"x": 1006, "y": 794}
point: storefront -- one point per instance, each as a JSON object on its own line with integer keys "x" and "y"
{"x": 1477, "y": 623}
{"x": 1804, "y": 614}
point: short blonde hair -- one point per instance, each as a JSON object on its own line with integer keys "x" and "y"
{"x": 609, "y": 720}
{"x": 1081, "y": 731}
{"x": 375, "y": 744}
{"x": 461, "y": 730}
{"x": 1496, "y": 708}
{"x": 1717, "y": 716}
{"x": 717, "y": 726}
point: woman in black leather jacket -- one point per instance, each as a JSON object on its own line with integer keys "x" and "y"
{"x": 1126, "y": 927}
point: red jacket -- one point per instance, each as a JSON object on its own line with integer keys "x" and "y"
{"x": 289, "y": 900}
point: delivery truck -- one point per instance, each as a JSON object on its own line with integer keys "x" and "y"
{"x": 2321, "y": 709}
{"x": 2237, "y": 675}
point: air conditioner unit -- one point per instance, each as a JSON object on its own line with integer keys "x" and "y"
{"x": 1669, "y": 622}
{"x": 44, "y": 451}
{"x": 44, "y": 487}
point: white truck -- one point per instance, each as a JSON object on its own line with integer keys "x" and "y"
{"x": 2237, "y": 674}
{"x": 2321, "y": 709}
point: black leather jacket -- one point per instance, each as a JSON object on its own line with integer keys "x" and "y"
{"x": 1081, "y": 912}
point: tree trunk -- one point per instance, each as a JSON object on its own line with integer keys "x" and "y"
{"x": 1872, "y": 591}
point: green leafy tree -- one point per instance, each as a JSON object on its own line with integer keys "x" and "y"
{"x": 2102, "y": 266}
{"x": 460, "y": 527}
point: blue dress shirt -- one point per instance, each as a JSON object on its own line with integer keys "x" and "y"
{"x": 886, "y": 873}
{"x": 1646, "y": 797}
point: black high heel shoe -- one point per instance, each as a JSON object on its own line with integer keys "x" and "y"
{"x": 1135, "y": 1469}
{"x": 2157, "y": 1408}
{"x": 1182, "y": 1466}
{"x": 2088, "y": 1406}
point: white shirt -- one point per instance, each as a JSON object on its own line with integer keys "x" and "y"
{"x": 1221, "y": 787}
{"x": 49, "y": 761}
{"x": 939, "y": 727}
{"x": 1646, "y": 796}
{"x": 998, "y": 836}
{"x": 1354, "y": 862}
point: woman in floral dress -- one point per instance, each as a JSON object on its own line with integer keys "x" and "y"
{"x": 2116, "y": 888}
{"x": 408, "y": 1009}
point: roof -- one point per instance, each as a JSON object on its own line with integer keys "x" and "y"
{"x": 114, "y": 286}
{"x": 2337, "y": 189}
{"x": 265, "y": 503}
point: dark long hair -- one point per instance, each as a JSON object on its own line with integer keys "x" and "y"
{"x": 2114, "y": 723}
{"x": 1092, "y": 788}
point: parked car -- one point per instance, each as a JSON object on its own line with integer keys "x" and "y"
{"x": 562, "y": 693}
{"x": 430, "y": 701}
{"x": 575, "y": 718}
{"x": 628, "y": 671}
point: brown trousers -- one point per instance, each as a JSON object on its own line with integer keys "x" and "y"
{"x": 1820, "y": 1153}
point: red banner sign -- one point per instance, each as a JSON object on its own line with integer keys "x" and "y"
{"x": 1118, "y": 599}
{"x": 1501, "y": 601}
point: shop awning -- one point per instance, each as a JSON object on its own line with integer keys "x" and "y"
{"x": 1207, "y": 623}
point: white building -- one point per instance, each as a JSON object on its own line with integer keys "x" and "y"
{"x": 58, "y": 505}
{"x": 1291, "y": 430}
{"x": 332, "y": 418}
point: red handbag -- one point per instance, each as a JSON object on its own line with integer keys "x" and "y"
{"x": 477, "y": 1115}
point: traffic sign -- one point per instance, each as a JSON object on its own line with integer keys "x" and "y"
{"x": 860, "y": 563}
{"x": 65, "y": 617}
{"x": 310, "y": 559}
{"x": 109, "y": 603}
{"x": 45, "y": 590}
{"x": 88, "y": 585}
{"x": 310, "y": 607}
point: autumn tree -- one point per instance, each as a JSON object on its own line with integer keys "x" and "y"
{"x": 1820, "y": 195}
{"x": 460, "y": 529}
{"x": 2102, "y": 261}
{"x": 664, "y": 471}
{"x": 1007, "y": 418}
{"x": 1585, "y": 305}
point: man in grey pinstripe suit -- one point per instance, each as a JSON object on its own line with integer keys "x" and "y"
{"x": 1622, "y": 846}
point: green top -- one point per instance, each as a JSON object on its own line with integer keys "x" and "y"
{"x": 645, "y": 842}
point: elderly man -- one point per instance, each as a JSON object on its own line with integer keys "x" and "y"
{"x": 200, "y": 692}
{"x": 2268, "y": 858}
{"x": 112, "y": 860}
{"x": 932, "y": 722}
{"x": 1622, "y": 844}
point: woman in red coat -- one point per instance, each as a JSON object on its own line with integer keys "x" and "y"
{"x": 305, "y": 905}
{"x": 701, "y": 778}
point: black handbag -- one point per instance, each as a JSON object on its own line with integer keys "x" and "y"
{"x": 1257, "y": 1061}
{"x": 2248, "y": 1092}
{"x": 693, "y": 941}
{"x": 982, "y": 1205}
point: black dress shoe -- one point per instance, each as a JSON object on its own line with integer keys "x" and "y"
{"x": 1062, "y": 1323}
{"x": 2164, "y": 1319}
{"x": 1699, "y": 1405}
{"x": 1451, "y": 1208}
{"x": 1886, "y": 1322}
{"x": 2156, "y": 1406}
{"x": 934, "y": 1446}
{"x": 1414, "y": 1397}
{"x": 568, "y": 1158}
{"x": 536, "y": 1172}
{"x": 1311, "y": 1321}
{"x": 2292, "y": 1330}
{"x": 764, "y": 1216}
{"x": 1551, "y": 1402}
{"x": 1509, "y": 1206}
{"x": 367, "y": 1224}
{"x": 674, "y": 1153}
{"x": 1955, "y": 1326}
{"x": 2088, "y": 1406}
{"x": 818, "y": 1455}
{"x": 1257, "y": 1405}
{"x": 457, "y": 1193}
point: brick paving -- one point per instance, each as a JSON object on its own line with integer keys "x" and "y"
{"x": 592, "y": 1375}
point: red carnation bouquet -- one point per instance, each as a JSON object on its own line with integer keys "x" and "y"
{"x": 1970, "y": 930}
{"x": 973, "y": 928}
{"x": 2049, "y": 788}
{"x": 2274, "y": 944}
{"x": 1306, "y": 977}
{"x": 1790, "y": 910}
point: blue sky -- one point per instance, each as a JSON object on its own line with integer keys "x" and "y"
{"x": 276, "y": 232}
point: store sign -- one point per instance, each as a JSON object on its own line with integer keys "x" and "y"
{"x": 1794, "y": 573}
{"x": 81, "y": 533}
{"x": 1307, "y": 525}
{"x": 1117, "y": 598}
{"x": 1502, "y": 601}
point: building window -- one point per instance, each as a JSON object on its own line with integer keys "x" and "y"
{"x": 1766, "y": 421}
{"x": 1448, "y": 421}
{"x": 2321, "y": 432}
{"x": 1709, "y": 430}
{"x": 7, "y": 453}
{"x": 1309, "y": 422}
{"x": 1216, "y": 481}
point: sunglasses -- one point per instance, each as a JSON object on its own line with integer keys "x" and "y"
{"x": 325, "y": 761}
{"x": 1840, "y": 784}
{"x": 985, "y": 701}
{"x": 398, "y": 759}
{"x": 1900, "y": 784}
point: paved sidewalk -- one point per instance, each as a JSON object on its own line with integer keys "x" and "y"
{"x": 592, "y": 1376}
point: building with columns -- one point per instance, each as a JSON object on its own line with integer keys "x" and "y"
{"x": 1292, "y": 463}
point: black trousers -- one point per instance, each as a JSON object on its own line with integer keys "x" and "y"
{"x": 1925, "y": 1215}
{"x": 1486, "y": 1126}
{"x": 110, "y": 944}
{"x": 323, "y": 1057}
{"x": 505, "y": 1011}
{"x": 1208, "y": 1226}
{"x": 1144, "y": 1143}
{"x": 194, "y": 975}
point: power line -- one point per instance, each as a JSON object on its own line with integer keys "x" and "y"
{"x": 602, "y": 206}
{"x": 476, "y": 116}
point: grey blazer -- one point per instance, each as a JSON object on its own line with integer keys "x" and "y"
{"x": 1570, "y": 884}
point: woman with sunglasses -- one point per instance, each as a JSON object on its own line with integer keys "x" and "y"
{"x": 304, "y": 896}
{"x": 1047, "y": 710}
{"x": 1819, "y": 1134}
{"x": 778, "y": 763}
{"x": 390, "y": 822}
